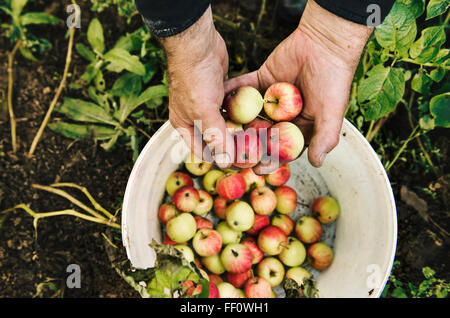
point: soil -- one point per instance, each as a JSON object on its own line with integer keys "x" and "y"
{"x": 27, "y": 261}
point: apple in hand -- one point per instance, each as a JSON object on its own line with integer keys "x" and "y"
{"x": 256, "y": 252}
{"x": 166, "y": 212}
{"x": 325, "y": 209}
{"x": 298, "y": 274}
{"x": 252, "y": 180}
{"x": 216, "y": 279}
{"x": 257, "y": 287}
{"x": 308, "y": 229}
{"x": 213, "y": 263}
{"x": 232, "y": 127}
{"x": 238, "y": 279}
{"x": 210, "y": 181}
{"x": 284, "y": 142}
{"x": 168, "y": 241}
{"x": 220, "y": 207}
{"x": 243, "y": 104}
{"x": 284, "y": 222}
{"x": 186, "y": 198}
{"x": 248, "y": 148}
{"x": 205, "y": 203}
{"x": 231, "y": 186}
{"x": 271, "y": 240}
{"x": 177, "y": 180}
{"x": 228, "y": 234}
{"x": 239, "y": 216}
{"x": 203, "y": 223}
{"x": 261, "y": 221}
{"x": 272, "y": 270}
{"x": 280, "y": 176}
{"x": 282, "y": 101}
{"x": 236, "y": 258}
{"x": 320, "y": 255}
{"x": 263, "y": 200}
{"x": 197, "y": 166}
{"x": 207, "y": 242}
{"x": 181, "y": 228}
{"x": 294, "y": 253}
{"x": 286, "y": 199}
{"x": 186, "y": 251}
{"x": 258, "y": 124}
{"x": 226, "y": 290}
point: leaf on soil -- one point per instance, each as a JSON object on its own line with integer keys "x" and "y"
{"x": 80, "y": 110}
{"x": 81, "y": 131}
{"x": 95, "y": 35}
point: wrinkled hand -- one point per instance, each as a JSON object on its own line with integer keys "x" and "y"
{"x": 320, "y": 57}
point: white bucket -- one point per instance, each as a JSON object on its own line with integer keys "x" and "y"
{"x": 366, "y": 231}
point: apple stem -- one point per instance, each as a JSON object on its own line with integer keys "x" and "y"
{"x": 271, "y": 101}
{"x": 266, "y": 119}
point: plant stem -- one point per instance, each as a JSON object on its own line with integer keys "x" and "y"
{"x": 262, "y": 12}
{"x": 12, "y": 118}
{"x": 62, "y": 84}
{"x": 139, "y": 129}
{"x": 229, "y": 23}
{"x": 402, "y": 148}
{"x": 377, "y": 127}
{"x": 369, "y": 131}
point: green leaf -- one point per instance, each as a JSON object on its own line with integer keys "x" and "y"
{"x": 437, "y": 7}
{"x": 437, "y": 74}
{"x": 123, "y": 59}
{"x": 80, "y": 131}
{"x": 398, "y": 30}
{"x": 85, "y": 52}
{"x": 26, "y": 53}
{"x": 381, "y": 91}
{"x": 442, "y": 57}
{"x": 427, "y": 271}
{"x": 421, "y": 83}
{"x": 428, "y": 45}
{"x": 426, "y": 122}
{"x": 398, "y": 293}
{"x": 99, "y": 82}
{"x": 80, "y": 110}
{"x": 440, "y": 110}
{"x": 95, "y": 35}
{"x": 124, "y": 42}
{"x": 128, "y": 85}
{"x": 38, "y": 18}
{"x": 17, "y": 7}
{"x": 205, "y": 289}
{"x": 91, "y": 71}
{"x": 417, "y": 7}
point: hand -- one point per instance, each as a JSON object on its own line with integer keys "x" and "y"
{"x": 198, "y": 65}
{"x": 320, "y": 57}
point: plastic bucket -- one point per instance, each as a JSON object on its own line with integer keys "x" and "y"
{"x": 365, "y": 233}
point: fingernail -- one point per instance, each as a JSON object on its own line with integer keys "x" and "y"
{"x": 223, "y": 160}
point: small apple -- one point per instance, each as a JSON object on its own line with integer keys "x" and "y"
{"x": 232, "y": 127}
{"x": 243, "y": 104}
{"x": 286, "y": 199}
{"x": 231, "y": 186}
{"x": 282, "y": 101}
{"x": 177, "y": 180}
{"x": 207, "y": 242}
{"x": 186, "y": 198}
{"x": 228, "y": 234}
{"x": 213, "y": 290}
{"x": 210, "y": 181}
{"x": 273, "y": 295}
{"x": 236, "y": 258}
{"x": 205, "y": 203}
{"x": 271, "y": 240}
{"x": 203, "y": 223}
{"x": 261, "y": 221}
{"x": 263, "y": 200}
{"x": 186, "y": 251}
{"x": 284, "y": 222}
{"x": 166, "y": 212}
{"x": 213, "y": 264}
{"x": 293, "y": 254}
{"x": 239, "y": 216}
{"x": 272, "y": 270}
{"x": 308, "y": 229}
{"x": 285, "y": 142}
{"x": 258, "y": 124}
{"x": 216, "y": 279}
{"x": 168, "y": 241}
{"x": 181, "y": 228}
{"x": 248, "y": 148}
{"x": 256, "y": 252}
{"x": 298, "y": 274}
{"x": 280, "y": 176}
{"x": 220, "y": 207}
{"x": 320, "y": 255}
{"x": 226, "y": 290}
{"x": 241, "y": 293}
{"x": 238, "y": 279}
{"x": 252, "y": 180}
{"x": 257, "y": 287}
{"x": 197, "y": 166}
{"x": 325, "y": 209}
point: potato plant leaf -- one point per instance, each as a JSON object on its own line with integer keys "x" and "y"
{"x": 38, "y": 18}
{"x": 85, "y": 52}
{"x": 121, "y": 58}
{"x": 421, "y": 83}
{"x": 436, "y": 8}
{"x": 428, "y": 45}
{"x": 440, "y": 110}
{"x": 95, "y": 36}
{"x": 17, "y": 7}
{"x": 417, "y": 7}
{"x": 82, "y": 131}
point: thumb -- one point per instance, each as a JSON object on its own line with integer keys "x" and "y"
{"x": 249, "y": 79}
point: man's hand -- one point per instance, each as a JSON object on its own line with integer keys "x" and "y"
{"x": 320, "y": 57}
{"x": 198, "y": 65}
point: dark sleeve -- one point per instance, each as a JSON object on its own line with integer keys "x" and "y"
{"x": 169, "y": 17}
{"x": 356, "y": 10}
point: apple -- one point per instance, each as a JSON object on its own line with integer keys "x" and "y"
{"x": 308, "y": 229}
{"x": 320, "y": 255}
{"x": 205, "y": 203}
{"x": 272, "y": 270}
{"x": 213, "y": 264}
{"x": 186, "y": 199}
{"x": 293, "y": 254}
{"x": 258, "y": 124}
{"x": 263, "y": 200}
{"x": 216, "y": 279}
{"x": 228, "y": 234}
{"x": 236, "y": 258}
{"x": 256, "y": 252}
{"x": 284, "y": 222}
{"x": 252, "y": 180}
{"x": 177, "y": 180}
{"x": 243, "y": 104}
{"x": 168, "y": 241}
{"x": 220, "y": 207}
{"x": 273, "y": 295}
{"x": 238, "y": 279}
{"x": 282, "y": 101}
{"x": 286, "y": 199}
{"x": 248, "y": 148}
{"x": 232, "y": 127}
{"x": 213, "y": 290}
{"x": 207, "y": 242}
{"x": 271, "y": 240}
{"x": 231, "y": 186}
{"x": 226, "y": 290}
{"x": 186, "y": 251}
{"x": 241, "y": 293}
{"x": 239, "y": 216}
{"x": 181, "y": 228}
{"x": 284, "y": 142}
{"x": 325, "y": 209}
{"x": 166, "y": 212}
{"x": 197, "y": 166}
{"x": 261, "y": 221}
{"x": 298, "y": 274}
{"x": 203, "y": 223}
{"x": 280, "y": 176}
{"x": 210, "y": 181}
{"x": 257, "y": 287}
{"x": 198, "y": 263}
